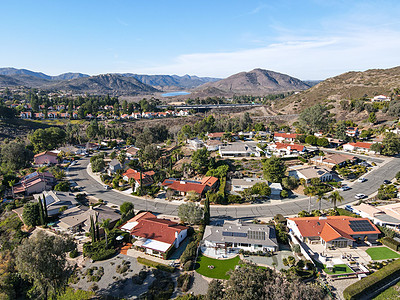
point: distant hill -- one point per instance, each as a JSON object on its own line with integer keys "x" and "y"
{"x": 100, "y": 84}
{"x": 256, "y": 82}
{"x": 172, "y": 82}
{"x": 350, "y": 85}
{"x": 104, "y": 84}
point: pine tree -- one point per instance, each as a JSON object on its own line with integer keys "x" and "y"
{"x": 92, "y": 229}
{"x": 41, "y": 212}
{"x": 97, "y": 229}
{"x": 46, "y": 216}
{"x": 207, "y": 212}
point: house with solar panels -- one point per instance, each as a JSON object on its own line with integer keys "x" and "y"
{"x": 337, "y": 231}
{"x": 234, "y": 236}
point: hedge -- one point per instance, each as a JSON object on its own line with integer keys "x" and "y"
{"x": 372, "y": 282}
{"x": 156, "y": 265}
{"x": 391, "y": 243}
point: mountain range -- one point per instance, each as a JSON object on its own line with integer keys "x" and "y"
{"x": 255, "y": 82}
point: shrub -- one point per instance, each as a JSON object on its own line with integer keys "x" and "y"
{"x": 284, "y": 194}
{"x": 373, "y": 281}
{"x": 94, "y": 287}
{"x": 391, "y": 243}
{"x": 188, "y": 265}
{"x": 74, "y": 253}
{"x": 98, "y": 250}
{"x": 156, "y": 265}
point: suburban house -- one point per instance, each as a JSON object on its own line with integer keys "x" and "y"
{"x": 359, "y": 147}
{"x": 282, "y": 149}
{"x": 185, "y": 186}
{"x": 235, "y": 236}
{"x": 113, "y": 166}
{"x": 215, "y": 135}
{"x": 352, "y": 131}
{"x": 213, "y": 145}
{"x": 155, "y": 236}
{"x": 26, "y": 115}
{"x": 239, "y": 149}
{"x": 132, "y": 152}
{"x": 45, "y": 158}
{"x": 89, "y": 146}
{"x": 77, "y": 219}
{"x": 56, "y": 200}
{"x": 337, "y": 231}
{"x": 72, "y": 150}
{"x": 335, "y": 142}
{"x": 285, "y": 137}
{"x": 147, "y": 178}
{"x": 385, "y": 215}
{"x": 239, "y": 185}
{"x": 195, "y": 144}
{"x": 309, "y": 172}
{"x": 332, "y": 160}
{"x": 34, "y": 183}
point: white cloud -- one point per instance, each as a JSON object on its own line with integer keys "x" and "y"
{"x": 302, "y": 57}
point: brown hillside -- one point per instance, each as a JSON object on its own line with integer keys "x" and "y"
{"x": 350, "y": 85}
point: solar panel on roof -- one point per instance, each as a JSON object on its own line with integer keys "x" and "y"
{"x": 256, "y": 235}
{"x": 235, "y": 234}
{"x": 361, "y": 225}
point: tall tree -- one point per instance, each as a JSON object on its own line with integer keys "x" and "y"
{"x": 314, "y": 118}
{"x": 42, "y": 259}
{"x": 190, "y": 213}
{"x": 200, "y": 160}
{"x": 207, "y": 211}
{"x": 106, "y": 227}
{"x": 274, "y": 169}
{"x": 15, "y": 156}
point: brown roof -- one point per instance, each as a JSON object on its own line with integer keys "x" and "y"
{"x": 46, "y": 153}
{"x": 184, "y": 186}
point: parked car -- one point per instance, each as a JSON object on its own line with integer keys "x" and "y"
{"x": 348, "y": 207}
{"x": 362, "y": 179}
{"x": 387, "y": 181}
{"x": 360, "y": 196}
{"x": 107, "y": 187}
{"x": 345, "y": 188}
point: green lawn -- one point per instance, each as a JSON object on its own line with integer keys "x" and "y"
{"x": 391, "y": 293}
{"x": 221, "y": 266}
{"x": 338, "y": 269}
{"x": 381, "y": 253}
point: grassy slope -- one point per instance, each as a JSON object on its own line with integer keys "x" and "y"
{"x": 381, "y": 253}
{"x": 221, "y": 266}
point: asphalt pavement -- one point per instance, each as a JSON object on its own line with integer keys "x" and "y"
{"x": 287, "y": 207}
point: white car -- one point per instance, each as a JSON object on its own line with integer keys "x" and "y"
{"x": 345, "y": 188}
{"x": 360, "y": 196}
{"x": 361, "y": 179}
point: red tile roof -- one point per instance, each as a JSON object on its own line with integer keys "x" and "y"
{"x": 361, "y": 145}
{"x": 286, "y": 135}
{"x": 331, "y": 227}
{"x": 184, "y": 186}
{"x": 209, "y": 180}
{"x": 146, "y": 176}
{"x": 296, "y": 147}
{"x": 46, "y": 153}
{"x": 216, "y": 134}
{"x": 161, "y": 230}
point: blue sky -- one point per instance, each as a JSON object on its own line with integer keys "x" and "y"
{"x": 306, "y": 39}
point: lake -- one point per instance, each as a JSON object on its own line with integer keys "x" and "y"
{"x": 172, "y": 94}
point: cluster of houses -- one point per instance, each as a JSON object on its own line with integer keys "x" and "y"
{"x": 58, "y": 112}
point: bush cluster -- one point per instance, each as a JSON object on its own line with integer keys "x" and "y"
{"x": 373, "y": 281}
{"x": 391, "y": 243}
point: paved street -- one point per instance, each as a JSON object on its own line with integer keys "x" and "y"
{"x": 79, "y": 174}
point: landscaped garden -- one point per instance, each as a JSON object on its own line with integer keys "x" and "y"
{"x": 216, "y": 268}
{"x": 338, "y": 269}
{"x": 381, "y": 253}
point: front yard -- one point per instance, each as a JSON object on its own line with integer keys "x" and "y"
{"x": 382, "y": 253}
{"x": 216, "y": 268}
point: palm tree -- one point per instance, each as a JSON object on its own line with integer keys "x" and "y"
{"x": 334, "y": 198}
{"x": 311, "y": 192}
{"x": 106, "y": 227}
{"x": 320, "y": 196}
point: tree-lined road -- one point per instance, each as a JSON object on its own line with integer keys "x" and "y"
{"x": 79, "y": 174}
